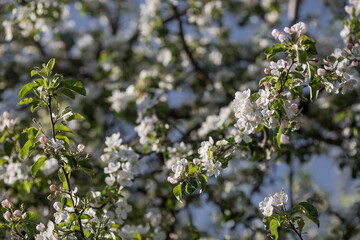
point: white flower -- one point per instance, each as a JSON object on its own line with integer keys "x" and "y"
{"x": 112, "y": 142}
{"x": 56, "y": 144}
{"x": 110, "y": 180}
{"x": 213, "y": 169}
{"x": 125, "y": 178}
{"x": 112, "y": 167}
{"x": 263, "y": 100}
{"x": 279, "y": 199}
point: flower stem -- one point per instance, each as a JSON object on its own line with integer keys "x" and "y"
{"x": 64, "y": 171}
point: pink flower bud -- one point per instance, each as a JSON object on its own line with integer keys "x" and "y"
{"x": 17, "y": 213}
{"x": 34, "y": 120}
{"x": 343, "y": 54}
{"x": 43, "y": 139}
{"x": 49, "y": 197}
{"x": 349, "y": 46}
{"x": 114, "y": 230}
{"x": 6, "y": 204}
{"x": 196, "y": 160}
{"x": 349, "y": 9}
{"x": 276, "y": 95}
{"x": 294, "y": 107}
{"x": 7, "y": 215}
{"x": 46, "y": 150}
{"x": 284, "y": 139}
{"x": 81, "y": 147}
{"x": 321, "y": 72}
{"x": 357, "y": 45}
{"x": 56, "y": 193}
{"x": 266, "y": 84}
{"x": 52, "y": 187}
{"x": 282, "y": 37}
{"x": 88, "y": 155}
{"x": 275, "y": 33}
{"x": 266, "y": 70}
{"x": 301, "y": 41}
{"x": 40, "y": 227}
{"x": 355, "y": 63}
{"x": 56, "y": 150}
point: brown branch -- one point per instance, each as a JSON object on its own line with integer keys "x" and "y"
{"x": 204, "y": 75}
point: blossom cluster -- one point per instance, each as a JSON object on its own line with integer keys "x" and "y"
{"x": 278, "y": 199}
{"x": 122, "y": 162}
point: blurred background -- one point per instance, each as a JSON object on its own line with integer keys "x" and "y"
{"x": 184, "y": 60}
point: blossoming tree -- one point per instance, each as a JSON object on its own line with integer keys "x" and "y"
{"x": 135, "y": 119}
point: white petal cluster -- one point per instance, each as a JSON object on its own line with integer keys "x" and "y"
{"x": 146, "y": 132}
{"x": 178, "y": 168}
{"x": 207, "y": 158}
{"x": 6, "y": 122}
{"x": 122, "y": 162}
{"x": 48, "y": 233}
{"x": 13, "y": 172}
{"x": 119, "y": 100}
{"x": 278, "y": 199}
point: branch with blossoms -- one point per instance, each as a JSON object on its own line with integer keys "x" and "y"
{"x": 275, "y": 108}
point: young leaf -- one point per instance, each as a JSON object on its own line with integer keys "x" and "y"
{"x": 178, "y": 192}
{"x": 191, "y": 186}
{"x": 61, "y": 128}
{"x": 25, "y": 149}
{"x": 75, "y": 85}
{"x": 26, "y": 101}
{"x": 86, "y": 167}
{"x": 273, "y": 227}
{"x": 67, "y": 93}
{"x": 26, "y": 88}
{"x": 50, "y": 64}
{"x": 203, "y": 182}
{"x": 278, "y": 136}
{"x": 35, "y": 168}
{"x": 309, "y": 211}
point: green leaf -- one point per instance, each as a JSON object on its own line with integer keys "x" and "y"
{"x": 30, "y": 230}
{"x": 74, "y": 85}
{"x": 25, "y": 149}
{"x": 72, "y": 217}
{"x": 203, "y": 182}
{"x": 61, "y": 128}
{"x": 192, "y": 170}
{"x": 191, "y": 186}
{"x": 78, "y": 116}
{"x": 41, "y": 82}
{"x": 32, "y": 132}
{"x": 8, "y": 147}
{"x": 86, "y": 167}
{"x": 301, "y": 55}
{"x": 50, "y": 64}
{"x": 273, "y": 227}
{"x": 62, "y": 178}
{"x": 254, "y": 96}
{"x": 27, "y": 88}
{"x": 34, "y": 106}
{"x": 33, "y": 73}
{"x": 278, "y": 136}
{"x": 31, "y": 216}
{"x": 35, "y": 168}
{"x": 309, "y": 211}
{"x": 67, "y": 93}
{"x": 275, "y": 49}
{"x": 178, "y": 192}
{"x": 26, "y": 101}
{"x": 64, "y": 201}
